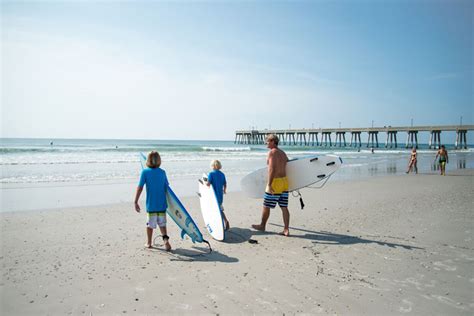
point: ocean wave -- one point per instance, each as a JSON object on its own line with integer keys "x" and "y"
{"x": 227, "y": 149}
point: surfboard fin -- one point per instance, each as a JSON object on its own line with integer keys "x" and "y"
{"x": 183, "y": 232}
{"x": 331, "y": 163}
{"x": 314, "y": 159}
{"x": 321, "y": 176}
{"x": 200, "y": 181}
{"x": 199, "y": 194}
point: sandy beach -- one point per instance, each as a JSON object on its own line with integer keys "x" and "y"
{"x": 387, "y": 245}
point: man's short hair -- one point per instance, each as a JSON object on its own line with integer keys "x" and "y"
{"x": 274, "y": 138}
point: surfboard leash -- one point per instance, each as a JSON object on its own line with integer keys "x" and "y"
{"x": 324, "y": 181}
{"x": 301, "y": 198}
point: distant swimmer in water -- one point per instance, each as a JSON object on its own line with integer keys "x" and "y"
{"x": 413, "y": 161}
{"x": 51, "y": 143}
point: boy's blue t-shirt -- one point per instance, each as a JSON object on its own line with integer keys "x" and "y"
{"x": 156, "y": 187}
{"x": 217, "y": 179}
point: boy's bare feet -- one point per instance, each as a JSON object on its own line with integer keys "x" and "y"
{"x": 285, "y": 233}
{"x": 259, "y": 227}
{"x": 227, "y": 225}
{"x": 167, "y": 246}
{"x": 148, "y": 246}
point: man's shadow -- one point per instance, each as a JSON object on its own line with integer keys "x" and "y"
{"x": 327, "y": 238}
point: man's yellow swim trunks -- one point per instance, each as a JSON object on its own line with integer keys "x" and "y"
{"x": 280, "y": 185}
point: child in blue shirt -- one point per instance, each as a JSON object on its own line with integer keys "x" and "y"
{"x": 216, "y": 178}
{"x": 156, "y": 182}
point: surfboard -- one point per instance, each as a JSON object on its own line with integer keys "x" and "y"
{"x": 210, "y": 210}
{"x": 301, "y": 172}
{"x": 178, "y": 212}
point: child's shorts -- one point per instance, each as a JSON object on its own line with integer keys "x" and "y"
{"x": 156, "y": 218}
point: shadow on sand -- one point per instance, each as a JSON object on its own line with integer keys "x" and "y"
{"x": 327, "y": 238}
{"x": 236, "y": 235}
{"x": 195, "y": 254}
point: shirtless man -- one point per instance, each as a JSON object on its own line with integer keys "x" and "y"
{"x": 276, "y": 190}
{"x": 443, "y": 159}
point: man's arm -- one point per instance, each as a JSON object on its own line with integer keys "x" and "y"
{"x": 271, "y": 172}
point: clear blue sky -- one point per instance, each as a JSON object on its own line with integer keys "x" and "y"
{"x": 201, "y": 70}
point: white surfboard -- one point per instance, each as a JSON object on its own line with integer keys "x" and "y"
{"x": 301, "y": 172}
{"x": 210, "y": 210}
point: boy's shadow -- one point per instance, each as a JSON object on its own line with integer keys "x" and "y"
{"x": 201, "y": 254}
{"x": 339, "y": 239}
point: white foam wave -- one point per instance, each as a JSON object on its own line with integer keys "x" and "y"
{"x": 232, "y": 149}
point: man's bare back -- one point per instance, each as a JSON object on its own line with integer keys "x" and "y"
{"x": 276, "y": 161}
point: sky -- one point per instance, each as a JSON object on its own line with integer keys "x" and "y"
{"x": 204, "y": 69}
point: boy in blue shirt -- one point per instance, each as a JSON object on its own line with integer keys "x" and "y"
{"x": 216, "y": 178}
{"x": 156, "y": 187}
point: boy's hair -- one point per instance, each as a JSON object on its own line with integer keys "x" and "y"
{"x": 153, "y": 160}
{"x": 216, "y": 164}
{"x": 274, "y": 138}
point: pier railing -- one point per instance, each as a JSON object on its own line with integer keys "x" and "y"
{"x": 323, "y": 136}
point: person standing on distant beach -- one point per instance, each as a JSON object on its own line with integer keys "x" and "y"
{"x": 413, "y": 161}
{"x": 156, "y": 187}
{"x": 276, "y": 190}
{"x": 443, "y": 159}
{"x": 217, "y": 179}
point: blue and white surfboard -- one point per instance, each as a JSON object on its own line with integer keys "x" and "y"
{"x": 178, "y": 213}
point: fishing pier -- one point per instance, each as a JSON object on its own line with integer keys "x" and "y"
{"x": 322, "y": 137}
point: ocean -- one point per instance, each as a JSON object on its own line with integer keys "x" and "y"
{"x": 50, "y": 173}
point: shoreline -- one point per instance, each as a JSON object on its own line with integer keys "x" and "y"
{"x": 58, "y": 195}
{"x": 384, "y": 245}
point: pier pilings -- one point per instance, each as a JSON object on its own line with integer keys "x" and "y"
{"x": 355, "y": 139}
{"x": 461, "y": 138}
{"x": 340, "y": 139}
{"x": 310, "y": 137}
{"x": 412, "y": 139}
{"x": 392, "y": 136}
{"x": 435, "y": 139}
{"x": 325, "y": 137}
{"x": 373, "y": 139}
